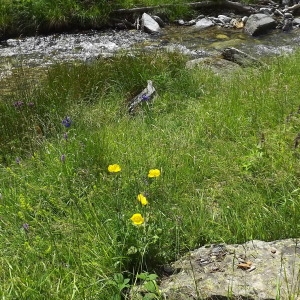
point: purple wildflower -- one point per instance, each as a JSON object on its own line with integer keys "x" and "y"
{"x": 63, "y": 158}
{"x": 25, "y": 226}
{"x": 18, "y": 160}
{"x": 65, "y": 136}
{"x": 145, "y": 97}
{"x": 18, "y": 104}
{"x": 66, "y": 122}
{"x": 30, "y": 104}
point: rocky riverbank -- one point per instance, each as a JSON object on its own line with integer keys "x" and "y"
{"x": 250, "y": 28}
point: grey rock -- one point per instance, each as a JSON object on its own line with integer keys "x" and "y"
{"x": 259, "y": 23}
{"x": 216, "y": 20}
{"x": 217, "y": 65}
{"x": 241, "y": 58}
{"x": 204, "y": 23}
{"x": 224, "y": 19}
{"x": 286, "y": 2}
{"x": 296, "y": 21}
{"x": 255, "y": 270}
{"x": 190, "y": 23}
{"x": 288, "y": 16}
{"x": 266, "y": 10}
{"x": 287, "y": 25}
{"x": 149, "y": 24}
{"x": 245, "y": 19}
{"x": 159, "y": 21}
{"x": 200, "y": 17}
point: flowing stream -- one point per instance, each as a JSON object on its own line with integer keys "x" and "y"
{"x": 42, "y": 51}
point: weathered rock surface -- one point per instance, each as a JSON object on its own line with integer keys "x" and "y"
{"x": 259, "y": 23}
{"x": 254, "y": 270}
{"x": 149, "y": 25}
{"x": 218, "y": 65}
{"x": 204, "y": 23}
{"x": 241, "y": 58}
{"x": 296, "y": 21}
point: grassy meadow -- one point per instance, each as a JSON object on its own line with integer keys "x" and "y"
{"x": 93, "y": 200}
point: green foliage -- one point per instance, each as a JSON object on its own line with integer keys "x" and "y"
{"x": 31, "y": 16}
{"x": 227, "y": 150}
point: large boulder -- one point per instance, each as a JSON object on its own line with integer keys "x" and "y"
{"x": 259, "y": 24}
{"x": 253, "y": 270}
{"x": 149, "y": 25}
{"x": 239, "y": 57}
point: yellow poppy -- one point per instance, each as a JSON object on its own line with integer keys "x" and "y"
{"x": 137, "y": 219}
{"x": 115, "y": 168}
{"x": 142, "y": 199}
{"x": 154, "y": 173}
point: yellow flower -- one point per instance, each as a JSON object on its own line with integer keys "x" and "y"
{"x": 154, "y": 173}
{"x": 115, "y": 168}
{"x": 137, "y": 219}
{"x": 142, "y": 199}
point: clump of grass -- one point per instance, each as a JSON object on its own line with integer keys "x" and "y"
{"x": 225, "y": 150}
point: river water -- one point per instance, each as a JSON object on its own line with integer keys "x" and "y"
{"x": 42, "y": 51}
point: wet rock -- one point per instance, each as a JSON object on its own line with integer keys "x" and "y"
{"x": 259, "y": 23}
{"x": 200, "y": 17}
{"x": 296, "y": 21}
{"x": 159, "y": 21}
{"x": 245, "y": 19}
{"x": 190, "y": 23}
{"x": 288, "y": 16}
{"x": 180, "y": 22}
{"x": 225, "y": 43}
{"x": 253, "y": 270}
{"x": 287, "y": 25}
{"x": 287, "y": 22}
{"x": 286, "y": 2}
{"x": 224, "y": 19}
{"x": 149, "y": 25}
{"x": 266, "y": 10}
{"x": 204, "y": 23}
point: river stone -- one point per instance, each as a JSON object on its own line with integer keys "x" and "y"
{"x": 255, "y": 270}
{"x": 204, "y": 23}
{"x": 239, "y": 57}
{"x": 266, "y": 10}
{"x": 149, "y": 24}
{"x": 259, "y": 23}
{"x": 224, "y": 19}
{"x": 287, "y": 25}
{"x": 296, "y": 21}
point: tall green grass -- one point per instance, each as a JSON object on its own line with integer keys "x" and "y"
{"x": 225, "y": 148}
{"x": 30, "y": 17}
